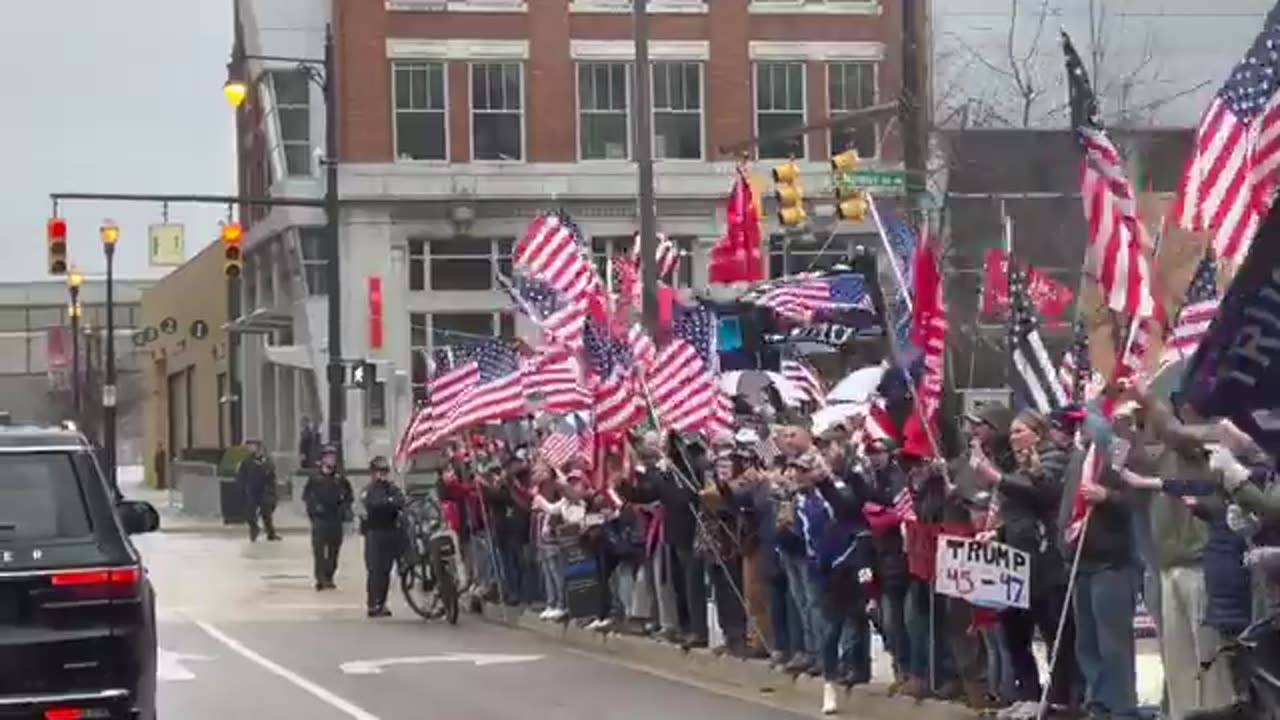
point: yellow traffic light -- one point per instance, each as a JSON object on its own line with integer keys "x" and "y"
{"x": 789, "y": 194}
{"x": 232, "y": 256}
{"x": 846, "y": 161}
{"x": 57, "y": 239}
{"x": 851, "y": 203}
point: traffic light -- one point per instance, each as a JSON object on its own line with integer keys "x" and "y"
{"x": 232, "y": 257}
{"x": 789, "y": 194}
{"x": 851, "y": 201}
{"x": 57, "y": 246}
{"x": 845, "y": 162}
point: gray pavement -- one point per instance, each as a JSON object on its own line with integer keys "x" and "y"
{"x": 243, "y": 634}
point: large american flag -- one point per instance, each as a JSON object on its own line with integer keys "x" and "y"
{"x": 1115, "y": 249}
{"x": 1034, "y": 377}
{"x": 569, "y": 436}
{"x": 899, "y": 239}
{"x": 1198, "y": 310}
{"x": 555, "y": 381}
{"x": 551, "y": 251}
{"x": 805, "y": 298}
{"x": 611, "y": 377}
{"x": 682, "y": 380}
{"x": 495, "y": 391}
{"x": 805, "y": 377}
{"x": 452, "y": 374}
{"x": 559, "y": 317}
{"x": 1230, "y": 176}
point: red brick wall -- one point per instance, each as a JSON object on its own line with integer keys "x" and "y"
{"x": 363, "y": 27}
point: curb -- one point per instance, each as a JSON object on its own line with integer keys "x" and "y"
{"x": 872, "y": 702}
{"x": 218, "y": 529}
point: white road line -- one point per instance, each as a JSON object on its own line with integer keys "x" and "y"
{"x": 345, "y": 706}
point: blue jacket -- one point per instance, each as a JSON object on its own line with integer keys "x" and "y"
{"x": 1227, "y": 582}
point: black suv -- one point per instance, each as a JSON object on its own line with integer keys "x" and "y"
{"x": 77, "y": 613}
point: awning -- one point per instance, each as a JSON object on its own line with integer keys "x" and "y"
{"x": 294, "y": 356}
{"x": 260, "y": 321}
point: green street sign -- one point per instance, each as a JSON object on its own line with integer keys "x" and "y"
{"x": 875, "y": 179}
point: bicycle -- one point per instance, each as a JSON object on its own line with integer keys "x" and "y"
{"x": 431, "y": 574}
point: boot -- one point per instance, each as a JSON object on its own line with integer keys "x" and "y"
{"x": 829, "y": 700}
{"x": 914, "y": 688}
{"x": 976, "y": 697}
{"x": 949, "y": 691}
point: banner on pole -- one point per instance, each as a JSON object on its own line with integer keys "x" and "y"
{"x": 985, "y": 573}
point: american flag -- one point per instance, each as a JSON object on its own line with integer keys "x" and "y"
{"x": 682, "y": 381}
{"x": 561, "y": 319}
{"x": 451, "y": 376}
{"x": 570, "y": 436}
{"x": 1230, "y": 177}
{"x": 611, "y": 377}
{"x": 556, "y": 383}
{"x": 668, "y": 256}
{"x": 900, "y": 240}
{"x": 804, "y": 298}
{"x": 905, "y": 506}
{"x": 1115, "y": 247}
{"x": 804, "y": 377}
{"x": 1034, "y": 377}
{"x": 1076, "y": 370}
{"x": 495, "y": 391}
{"x": 550, "y": 251}
{"x": 1090, "y": 469}
{"x": 1198, "y": 310}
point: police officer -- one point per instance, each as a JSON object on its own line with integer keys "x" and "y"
{"x": 381, "y": 503}
{"x": 257, "y": 478}
{"x": 328, "y": 498}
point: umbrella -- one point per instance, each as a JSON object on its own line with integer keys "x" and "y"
{"x": 751, "y": 385}
{"x": 832, "y": 415}
{"x": 858, "y": 386}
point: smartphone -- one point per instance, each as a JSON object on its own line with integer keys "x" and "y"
{"x": 1119, "y": 452}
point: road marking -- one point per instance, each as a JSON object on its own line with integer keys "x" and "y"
{"x": 374, "y": 667}
{"x": 170, "y": 665}
{"x": 330, "y": 699}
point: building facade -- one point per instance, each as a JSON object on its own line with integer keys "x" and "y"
{"x": 460, "y": 119}
{"x": 185, "y": 375}
{"x": 36, "y": 354}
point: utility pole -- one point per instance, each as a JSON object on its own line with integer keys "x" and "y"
{"x": 644, "y": 166}
{"x": 914, "y": 111}
{"x": 333, "y": 274}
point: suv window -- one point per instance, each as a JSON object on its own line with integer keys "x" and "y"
{"x": 40, "y": 498}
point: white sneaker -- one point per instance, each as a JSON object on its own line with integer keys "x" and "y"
{"x": 1021, "y": 709}
{"x": 829, "y": 704}
{"x": 546, "y": 614}
{"x": 557, "y": 614}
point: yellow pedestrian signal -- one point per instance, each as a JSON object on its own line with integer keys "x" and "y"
{"x": 232, "y": 256}
{"x": 57, "y": 239}
{"x": 789, "y": 194}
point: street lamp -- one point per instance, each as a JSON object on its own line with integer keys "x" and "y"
{"x": 322, "y": 73}
{"x": 74, "y": 281}
{"x": 110, "y": 234}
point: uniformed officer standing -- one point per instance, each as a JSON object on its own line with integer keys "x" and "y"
{"x": 257, "y": 478}
{"x": 328, "y": 498}
{"x": 382, "y": 502}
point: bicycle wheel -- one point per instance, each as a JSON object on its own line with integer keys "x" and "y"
{"x": 420, "y": 591}
{"x": 447, "y": 592}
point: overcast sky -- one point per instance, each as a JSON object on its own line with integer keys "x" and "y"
{"x": 121, "y": 96}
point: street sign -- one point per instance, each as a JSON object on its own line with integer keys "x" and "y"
{"x": 166, "y": 244}
{"x": 375, "y": 667}
{"x": 199, "y": 330}
{"x": 874, "y": 179}
{"x": 108, "y": 396}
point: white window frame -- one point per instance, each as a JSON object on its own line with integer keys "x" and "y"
{"x": 655, "y": 7}
{"x": 804, "y": 102}
{"x": 816, "y": 7}
{"x": 702, "y": 109}
{"x": 875, "y": 96}
{"x": 464, "y": 6}
{"x": 524, "y": 106}
{"x": 629, "y": 80}
{"x": 283, "y": 144}
{"x": 395, "y": 110}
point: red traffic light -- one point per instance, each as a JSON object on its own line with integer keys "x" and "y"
{"x": 231, "y": 233}
{"x": 57, "y": 229}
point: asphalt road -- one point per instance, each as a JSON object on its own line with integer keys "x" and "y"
{"x": 242, "y": 634}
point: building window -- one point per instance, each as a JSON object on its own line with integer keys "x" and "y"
{"x": 453, "y": 328}
{"x": 420, "y": 111}
{"x": 677, "y": 110}
{"x": 505, "y": 247}
{"x": 852, "y": 86}
{"x": 801, "y": 256}
{"x": 461, "y": 264}
{"x": 780, "y": 107}
{"x": 418, "y": 334}
{"x": 417, "y": 265}
{"x": 291, "y": 91}
{"x": 602, "y": 111}
{"x": 497, "y": 111}
{"x": 313, "y": 261}
{"x": 506, "y": 326}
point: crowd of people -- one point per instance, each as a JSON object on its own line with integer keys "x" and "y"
{"x": 807, "y": 544}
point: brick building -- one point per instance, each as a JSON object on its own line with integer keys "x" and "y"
{"x": 459, "y": 119}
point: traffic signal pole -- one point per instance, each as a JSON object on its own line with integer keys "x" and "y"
{"x": 648, "y": 210}
{"x": 914, "y": 111}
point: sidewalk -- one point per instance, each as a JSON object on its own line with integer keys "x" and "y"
{"x": 289, "y": 518}
{"x": 756, "y": 677}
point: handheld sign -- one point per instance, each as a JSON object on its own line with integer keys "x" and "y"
{"x": 988, "y": 574}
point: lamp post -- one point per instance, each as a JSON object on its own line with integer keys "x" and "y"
{"x": 110, "y": 233}
{"x": 321, "y": 72}
{"x": 74, "y": 281}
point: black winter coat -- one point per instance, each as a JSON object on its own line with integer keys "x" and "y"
{"x": 327, "y": 497}
{"x": 383, "y": 502}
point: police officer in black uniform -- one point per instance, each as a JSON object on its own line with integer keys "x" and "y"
{"x": 382, "y": 502}
{"x": 328, "y": 498}
{"x": 257, "y": 478}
